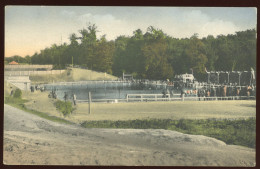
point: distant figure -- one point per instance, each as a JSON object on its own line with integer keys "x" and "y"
{"x": 74, "y": 99}
{"x": 225, "y": 91}
{"x": 199, "y": 92}
{"x": 208, "y": 93}
{"x": 249, "y": 91}
{"x": 237, "y": 94}
{"x": 42, "y": 89}
{"x": 32, "y": 88}
{"x": 12, "y": 92}
{"x": 214, "y": 92}
{"x": 182, "y": 94}
{"x": 164, "y": 94}
{"x": 65, "y": 96}
{"x": 195, "y": 92}
{"x": 203, "y": 93}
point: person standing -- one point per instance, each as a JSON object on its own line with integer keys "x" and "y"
{"x": 208, "y": 94}
{"x": 199, "y": 92}
{"x": 74, "y": 99}
{"x": 249, "y": 91}
{"x": 214, "y": 93}
{"x": 225, "y": 91}
{"x": 32, "y": 88}
{"x": 65, "y": 96}
{"x": 12, "y": 92}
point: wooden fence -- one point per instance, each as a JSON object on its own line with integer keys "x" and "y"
{"x": 158, "y": 97}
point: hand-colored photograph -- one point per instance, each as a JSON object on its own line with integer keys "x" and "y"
{"x": 130, "y": 86}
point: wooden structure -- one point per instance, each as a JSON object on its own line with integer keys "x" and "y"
{"x": 229, "y": 73}
{"x": 127, "y": 76}
{"x": 13, "y": 63}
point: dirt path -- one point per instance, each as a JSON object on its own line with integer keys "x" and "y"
{"x": 29, "y": 139}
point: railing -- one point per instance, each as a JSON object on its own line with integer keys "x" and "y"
{"x": 142, "y": 98}
{"x": 147, "y": 97}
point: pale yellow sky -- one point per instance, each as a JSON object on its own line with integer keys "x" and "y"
{"x": 29, "y": 29}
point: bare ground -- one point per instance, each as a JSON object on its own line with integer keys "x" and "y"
{"x": 31, "y": 140}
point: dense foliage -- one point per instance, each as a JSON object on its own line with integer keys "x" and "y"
{"x": 151, "y": 55}
{"x": 237, "y": 132}
{"x": 17, "y": 93}
{"x": 64, "y": 107}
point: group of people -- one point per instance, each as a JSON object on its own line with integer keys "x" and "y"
{"x": 53, "y": 94}
{"x": 74, "y": 98}
{"x": 225, "y": 91}
{"x": 37, "y": 87}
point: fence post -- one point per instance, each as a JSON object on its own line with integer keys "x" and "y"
{"x": 127, "y": 98}
{"x": 141, "y": 97}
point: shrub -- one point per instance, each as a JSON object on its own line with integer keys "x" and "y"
{"x": 18, "y": 94}
{"x": 64, "y": 107}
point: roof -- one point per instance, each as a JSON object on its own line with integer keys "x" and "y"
{"x": 13, "y": 63}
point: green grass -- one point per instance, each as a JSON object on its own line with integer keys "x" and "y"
{"x": 19, "y": 103}
{"x": 237, "y": 132}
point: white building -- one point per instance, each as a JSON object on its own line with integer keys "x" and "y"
{"x": 185, "y": 77}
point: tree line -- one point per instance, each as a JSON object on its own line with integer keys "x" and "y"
{"x": 152, "y": 54}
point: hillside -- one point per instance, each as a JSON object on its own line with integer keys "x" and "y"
{"x": 72, "y": 75}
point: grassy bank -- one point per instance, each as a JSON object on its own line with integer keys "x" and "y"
{"x": 236, "y": 132}
{"x": 19, "y": 103}
{"x": 71, "y": 75}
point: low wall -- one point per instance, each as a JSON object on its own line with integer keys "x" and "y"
{"x": 28, "y": 67}
{"x": 28, "y": 73}
{"x": 22, "y": 82}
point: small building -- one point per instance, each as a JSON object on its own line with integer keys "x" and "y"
{"x": 127, "y": 76}
{"x": 13, "y": 63}
{"x": 185, "y": 77}
{"x": 21, "y": 82}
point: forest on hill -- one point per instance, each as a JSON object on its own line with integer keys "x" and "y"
{"x": 150, "y": 55}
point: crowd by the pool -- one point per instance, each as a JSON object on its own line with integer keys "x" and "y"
{"x": 214, "y": 90}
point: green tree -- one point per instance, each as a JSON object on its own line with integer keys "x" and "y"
{"x": 194, "y": 55}
{"x": 156, "y": 63}
{"x": 104, "y": 52}
{"x": 119, "y": 63}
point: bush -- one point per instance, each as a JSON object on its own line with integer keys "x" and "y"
{"x": 18, "y": 94}
{"x": 64, "y": 107}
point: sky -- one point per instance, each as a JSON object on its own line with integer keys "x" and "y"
{"x": 29, "y": 29}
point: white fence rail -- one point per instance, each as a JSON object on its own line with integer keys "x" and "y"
{"x": 146, "y": 99}
{"x": 28, "y": 73}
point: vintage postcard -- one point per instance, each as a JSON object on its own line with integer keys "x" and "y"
{"x": 130, "y": 86}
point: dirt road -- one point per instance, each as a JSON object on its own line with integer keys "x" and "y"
{"x": 31, "y": 140}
